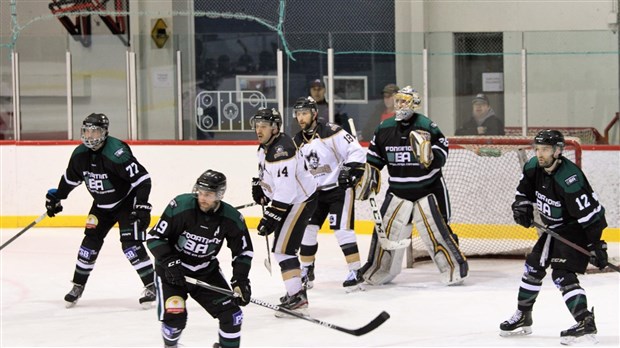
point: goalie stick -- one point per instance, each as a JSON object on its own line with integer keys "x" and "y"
{"x": 373, "y": 324}
{"x": 385, "y": 243}
{"x": 30, "y": 225}
{"x": 569, "y": 243}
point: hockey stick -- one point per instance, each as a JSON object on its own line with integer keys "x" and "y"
{"x": 373, "y": 324}
{"x": 267, "y": 261}
{"x": 385, "y": 243}
{"x": 24, "y": 230}
{"x": 569, "y": 243}
{"x": 246, "y": 206}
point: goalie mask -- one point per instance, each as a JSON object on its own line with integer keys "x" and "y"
{"x": 406, "y": 102}
{"x": 94, "y": 130}
{"x": 211, "y": 181}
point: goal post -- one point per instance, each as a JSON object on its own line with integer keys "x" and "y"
{"x": 482, "y": 174}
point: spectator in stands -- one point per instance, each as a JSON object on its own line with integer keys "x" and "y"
{"x": 483, "y": 120}
{"x": 317, "y": 92}
{"x": 382, "y": 111}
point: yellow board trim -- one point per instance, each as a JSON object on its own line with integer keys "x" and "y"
{"x": 610, "y": 234}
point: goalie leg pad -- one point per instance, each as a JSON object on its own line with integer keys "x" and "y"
{"x": 387, "y": 264}
{"x": 438, "y": 241}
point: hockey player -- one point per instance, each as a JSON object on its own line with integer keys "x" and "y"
{"x": 120, "y": 187}
{"x": 186, "y": 241}
{"x": 567, "y": 204}
{"x": 283, "y": 180}
{"x": 336, "y": 160}
{"x": 414, "y": 151}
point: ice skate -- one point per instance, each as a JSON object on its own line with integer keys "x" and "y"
{"x": 582, "y": 333}
{"x": 307, "y": 277}
{"x": 74, "y": 295}
{"x": 353, "y": 282}
{"x": 148, "y": 296}
{"x": 519, "y": 324}
{"x": 297, "y": 302}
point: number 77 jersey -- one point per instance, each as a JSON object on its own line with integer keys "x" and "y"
{"x": 283, "y": 173}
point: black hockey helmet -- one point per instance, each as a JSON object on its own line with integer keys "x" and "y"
{"x": 93, "y": 122}
{"x": 267, "y": 115}
{"x": 305, "y": 103}
{"x": 213, "y": 181}
{"x": 549, "y": 137}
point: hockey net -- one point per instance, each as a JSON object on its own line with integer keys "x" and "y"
{"x": 482, "y": 174}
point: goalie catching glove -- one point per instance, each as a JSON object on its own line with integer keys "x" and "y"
{"x": 272, "y": 220}
{"x": 243, "y": 289}
{"x": 421, "y": 147}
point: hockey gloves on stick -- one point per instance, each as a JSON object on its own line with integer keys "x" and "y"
{"x": 523, "y": 213}
{"x": 141, "y": 215}
{"x": 52, "y": 203}
{"x": 242, "y": 287}
{"x": 598, "y": 254}
{"x": 272, "y": 220}
{"x": 350, "y": 174}
{"x": 258, "y": 195}
{"x": 173, "y": 270}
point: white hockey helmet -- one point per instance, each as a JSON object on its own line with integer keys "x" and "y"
{"x": 406, "y": 102}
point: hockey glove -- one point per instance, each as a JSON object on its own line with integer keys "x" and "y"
{"x": 242, "y": 287}
{"x": 141, "y": 215}
{"x": 523, "y": 213}
{"x": 173, "y": 270}
{"x": 598, "y": 254}
{"x": 350, "y": 174}
{"x": 52, "y": 203}
{"x": 258, "y": 195}
{"x": 271, "y": 221}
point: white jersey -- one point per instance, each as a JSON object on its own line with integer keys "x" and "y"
{"x": 326, "y": 150}
{"x": 283, "y": 174}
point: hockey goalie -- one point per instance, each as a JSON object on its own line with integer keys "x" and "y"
{"x": 414, "y": 151}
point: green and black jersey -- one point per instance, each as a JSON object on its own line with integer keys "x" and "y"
{"x": 564, "y": 197}
{"x": 196, "y": 237}
{"x": 111, "y": 174}
{"x": 390, "y": 146}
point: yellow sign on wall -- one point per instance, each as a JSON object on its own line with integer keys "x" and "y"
{"x": 160, "y": 33}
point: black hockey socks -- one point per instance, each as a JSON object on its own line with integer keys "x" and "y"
{"x": 135, "y": 252}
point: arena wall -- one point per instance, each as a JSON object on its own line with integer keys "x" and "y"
{"x": 29, "y": 170}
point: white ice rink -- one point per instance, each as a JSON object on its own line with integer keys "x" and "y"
{"x": 38, "y": 266}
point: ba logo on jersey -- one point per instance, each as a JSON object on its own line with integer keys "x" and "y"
{"x": 399, "y": 155}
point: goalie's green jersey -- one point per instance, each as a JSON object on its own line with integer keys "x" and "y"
{"x": 390, "y": 146}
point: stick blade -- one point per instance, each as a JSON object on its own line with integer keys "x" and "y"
{"x": 375, "y": 323}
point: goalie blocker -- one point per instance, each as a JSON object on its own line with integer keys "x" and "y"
{"x": 436, "y": 235}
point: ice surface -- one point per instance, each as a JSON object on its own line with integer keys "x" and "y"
{"x": 38, "y": 266}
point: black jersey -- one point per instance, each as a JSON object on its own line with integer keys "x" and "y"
{"x": 564, "y": 198}
{"x": 197, "y": 237}
{"x": 111, "y": 174}
{"x": 390, "y": 146}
